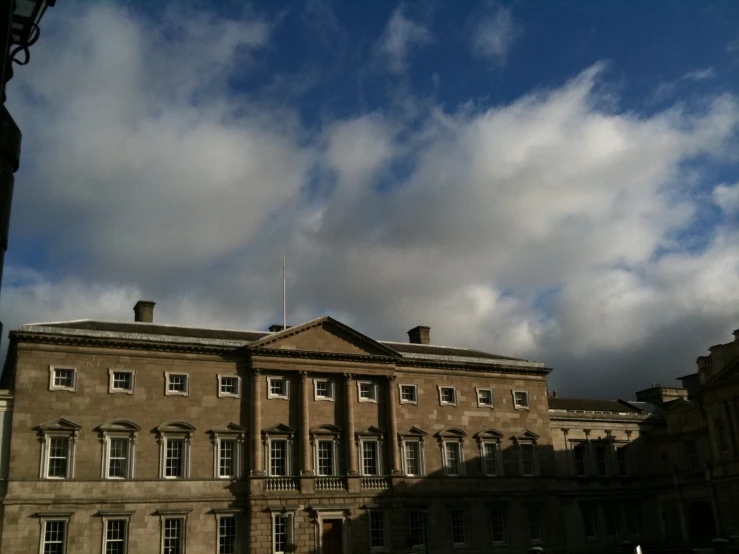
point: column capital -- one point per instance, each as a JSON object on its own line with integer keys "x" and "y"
{"x": 349, "y": 376}
{"x": 390, "y": 378}
{"x": 304, "y": 373}
{"x": 256, "y": 373}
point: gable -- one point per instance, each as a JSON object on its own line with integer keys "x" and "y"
{"x": 325, "y": 335}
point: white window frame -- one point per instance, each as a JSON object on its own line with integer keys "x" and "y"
{"x": 480, "y": 404}
{"x": 58, "y": 429}
{"x": 130, "y": 447}
{"x": 49, "y": 517}
{"x": 534, "y": 458}
{"x": 421, "y": 458}
{"x": 112, "y": 516}
{"x": 238, "y": 454}
{"x": 444, "y": 446}
{"x": 288, "y": 455}
{"x": 175, "y": 431}
{"x": 224, "y": 513}
{"x": 384, "y": 547}
{"x": 52, "y": 374}
{"x": 111, "y": 380}
{"x": 518, "y": 406}
{"x": 289, "y": 516}
{"x": 373, "y": 391}
{"x": 441, "y": 400}
{"x": 167, "y": 375}
{"x": 331, "y": 389}
{"x": 180, "y": 514}
{"x": 379, "y": 450}
{"x": 286, "y": 384}
{"x": 415, "y": 393}
{"x": 221, "y": 393}
{"x": 465, "y": 528}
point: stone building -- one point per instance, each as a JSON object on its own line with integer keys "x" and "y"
{"x": 147, "y": 438}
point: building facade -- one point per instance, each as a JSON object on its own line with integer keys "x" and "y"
{"x": 149, "y": 438}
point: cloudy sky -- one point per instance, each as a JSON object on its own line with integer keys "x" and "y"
{"x": 557, "y": 181}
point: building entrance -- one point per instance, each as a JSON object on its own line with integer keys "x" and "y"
{"x": 332, "y": 540}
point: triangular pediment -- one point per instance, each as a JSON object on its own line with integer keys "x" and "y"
{"x": 371, "y": 430}
{"x": 492, "y": 434}
{"x": 526, "y": 436}
{"x": 451, "y": 433}
{"x": 325, "y": 429}
{"x": 325, "y": 335}
{"x": 59, "y": 424}
{"x": 228, "y": 428}
{"x": 122, "y": 425}
{"x": 279, "y": 429}
{"x": 175, "y": 427}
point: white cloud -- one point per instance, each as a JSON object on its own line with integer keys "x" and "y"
{"x": 727, "y": 198}
{"x": 535, "y": 228}
{"x": 401, "y": 35}
{"x": 494, "y": 35}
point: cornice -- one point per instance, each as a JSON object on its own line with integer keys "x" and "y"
{"x": 309, "y": 354}
{"x": 472, "y": 366}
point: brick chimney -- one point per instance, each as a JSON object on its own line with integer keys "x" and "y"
{"x": 420, "y": 335}
{"x": 144, "y": 311}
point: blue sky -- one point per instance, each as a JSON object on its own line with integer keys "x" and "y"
{"x": 552, "y": 180}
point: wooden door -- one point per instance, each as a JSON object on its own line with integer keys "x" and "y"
{"x": 332, "y": 536}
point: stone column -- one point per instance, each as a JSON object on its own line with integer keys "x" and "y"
{"x": 349, "y": 409}
{"x": 305, "y": 424}
{"x": 257, "y": 454}
{"x": 392, "y": 439}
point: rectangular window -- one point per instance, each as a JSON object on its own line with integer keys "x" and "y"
{"x": 58, "y": 465}
{"x": 280, "y": 533}
{"x": 370, "y": 457}
{"x": 490, "y": 458}
{"x": 115, "y": 536}
{"x": 633, "y": 517}
{"x": 497, "y": 525}
{"x": 227, "y": 535}
{"x": 578, "y": 453}
{"x": 121, "y": 381}
{"x": 118, "y": 459}
{"x": 610, "y": 516}
{"x": 484, "y": 398}
{"x": 528, "y": 464}
{"x": 226, "y": 458}
{"x": 448, "y": 396}
{"x": 367, "y": 391}
{"x": 590, "y": 520}
{"x": 412, "y": 458}
{"x": 325, "y": 457}
{"x": 622, "y": 458}
{"x": 177, "y": 384}
{"x": 691, "y": 454}
{"x": 229, "y": 386}
{"x": 536, "y": 525}
{"x": 520, "y": 399}
{"x": 408, "y": 394}
{"x": 417, "y": 528}
{"x": 601, "y": 460}
{"x": 377, "y": 529}
{"x": 323, "y": 389}
{"x": 175, "y": 459}
{"x": 278, "y": 387}
{"x": 459, "y": 532}
{"x": 62, "y": 378}
{"x": 278, "y": 458}
{"x": 452, "y": 458}
{"x": 173, "y": 536}
{"x": 54, "y": 540}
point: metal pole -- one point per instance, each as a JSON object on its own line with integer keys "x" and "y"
{"x": 10, "y": 152}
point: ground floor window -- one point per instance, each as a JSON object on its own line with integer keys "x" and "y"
{"x": 536, "y": 525}
{"x": 497, "y": 525}
{"x": 377, "y": 530}
{"x": 282, "y": 532}
{"x": 459, "y": 531}
{"x": 227, "y": 534}
{"x": 116, "y": 536}
{"x": 54, "y": 536}
{"x": 417, "y": 528}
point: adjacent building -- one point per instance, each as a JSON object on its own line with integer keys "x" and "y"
{"x": 150, "y": 438}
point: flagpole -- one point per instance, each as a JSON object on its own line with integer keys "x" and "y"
{"x": 284, "y": 295}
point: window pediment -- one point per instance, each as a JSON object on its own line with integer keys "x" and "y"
{"x": 413, "y": 432}
{"x": 228, "y": 429}
{"x": 279, "y": 429}
{"x": 119, "y": 425}
{"x": 525, "y": 436}
{"x": 326, "y": 429}
{"x": 370, "y": 431}
{"x": 59, "y": 424}
{"x": 489, "y": 434}
{"x": 175, "y": 427}
{"x": 451, "y": 433}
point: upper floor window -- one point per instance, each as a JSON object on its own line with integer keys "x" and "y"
{"x": 622, "y": 459}
{"x": 489, "y": 442}
{"x": 178, "y": 384}
{"x": 229, "y": 386}
{"x": 579, "y": 454}
{"x": 121, "y": 380}
{"x": 452, "y": 452}
{"x": 408, "y": 394}
{"x": 278, "y": 451}
{"x": 412, "y": 454}
{"x": 527, "y": 458}
{"x": 54, "y": 533}
{"x": 323, "y": 389}
{"x": 174, "y": 449}
{"x": 367, "y": 391}
{"x": 601, "y": 458}
{"x": 692, "y": 460}
{"x": 58, "y": 445}
{"x": 520, "y": 399}
{"x": 228, "y": 448}
{"x": 447, "y": 395}
{"x": 278, "y": 387}
{"x": 119, "y": 440}
{"x": 62, "y": 378}
{"x": 370, "y": 450}
{"x": 325, "y": 440}
{"x": 484, "y": 398}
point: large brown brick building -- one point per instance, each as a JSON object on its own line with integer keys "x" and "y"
{"x": 148, "y": 438}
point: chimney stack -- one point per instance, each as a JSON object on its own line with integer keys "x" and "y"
{"x": 144, "y": 311}
{"x": 275, "y": 328}
{"x": 420, "y": 335}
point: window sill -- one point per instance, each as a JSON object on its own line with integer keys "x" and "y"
{"x": 522, "y": 407}
{"x": 62, "y": 389}
{"x": 414, "y": 402}
{"x": 176, "y": 393}
{"x": 228, "y": 395}
{"x": 120, "y": 391}
{"x": 448, "y": 404}
{"x": 323, "y": 399}
{"x": 488, "y": 406}
{"x": 370, "y": 401}
{"x": 277, "y": 397}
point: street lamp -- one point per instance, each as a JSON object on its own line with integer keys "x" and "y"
{"x": 19, "y": 30}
